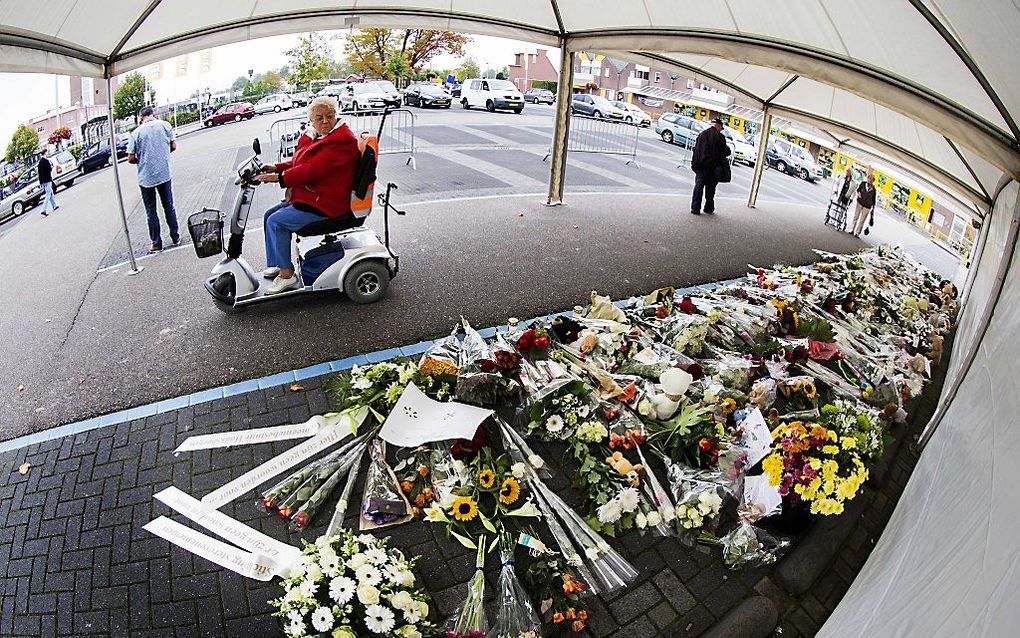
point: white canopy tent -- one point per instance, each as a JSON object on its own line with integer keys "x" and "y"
{"x": 930, "y": 84}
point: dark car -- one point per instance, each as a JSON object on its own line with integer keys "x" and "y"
{"x": 539, "y": 96}
{"x": 455, "y": 91}
{"x": 425, "y": 95}
{"x": 96, "y": 156}
{"x": 231, "y": 113}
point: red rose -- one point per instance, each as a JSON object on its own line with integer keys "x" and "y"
{"x": 487, "y": 365}
{"x": 542, "y": 342}
{"x": 705, "y": 445}
{"x": 688, "y": 306}
{"x": 526, "y": 341}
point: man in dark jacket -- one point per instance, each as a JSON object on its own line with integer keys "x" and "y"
{"x": 45, "y": 171}
{"x": 865, "y": 203}
{"x": 710, "y": 152}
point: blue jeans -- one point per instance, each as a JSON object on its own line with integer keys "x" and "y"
{"x": 50, "y": 203}
{"x": 280, "y": 222}
{"x": 166, "y": 197}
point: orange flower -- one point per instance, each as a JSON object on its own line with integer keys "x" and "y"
{"x": 577, "y": 626}
{"x": 429, "y": 494}
{"x": 628, "y": 393}
{"x": 406, "y": 486}
{"x": 583, "y": 614}
{"x": 571, "y": 614}
{"x": 420, "y": 499}
{"x": 423, "y": 470}
{"x": 557, "y": 617}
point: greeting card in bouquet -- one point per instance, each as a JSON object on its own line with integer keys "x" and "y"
{"x": 416, "y": 419}
{"x": 760, "y": 498}
{"x": 756, "y": 437}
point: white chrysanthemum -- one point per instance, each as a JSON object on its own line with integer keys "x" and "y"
{"x": 654, "y": 518}
{"x": 610, "y": 512}
{"x": 629, "y": 499}
{"x": 295, "y": 615}
{"x": 412, "y": 616}
{"x": 330, "y": 565}
{"x": 368, "y": 574}
{"x": 401, "y": 600}
{"x": 554, "y": 423}
{"x": 376, "y": 556}
{"x": 368, "y": 595}
{"x": 322, "y": 619}
{"x": 342, "y": 589}
{"x": 379, "y": 619}
{"x": 296, "y": 629}
{"x": 307, "y": 589}
{"x": 583, "y": 411}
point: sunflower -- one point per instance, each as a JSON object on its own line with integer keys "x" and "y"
{"x": 465, "y": 509}
{"x": 510, "y": 491}
{"x": 486, "y": 478}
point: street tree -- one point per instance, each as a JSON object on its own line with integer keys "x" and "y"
{"x": 130, "y": 96}
{"x": 309, "y": 60}
{"x": 238, "y": 84}
{"x": 397, "y": 69}
{"x": 23, "y": 144}
{"x": 370, "y": 50}
{"x": 468, "y": 69}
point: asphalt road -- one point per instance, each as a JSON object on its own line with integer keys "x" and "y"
{"x": 82, "y": 343}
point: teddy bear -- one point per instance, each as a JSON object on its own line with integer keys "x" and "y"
{"x": 936, "y": 348}
{"x": 625, "y": 468}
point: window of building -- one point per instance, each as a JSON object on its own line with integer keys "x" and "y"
{"x": 658, "y": 76}
{"x": 690, "y": 84}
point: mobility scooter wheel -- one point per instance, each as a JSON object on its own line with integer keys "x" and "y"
{"x": 366, "y": 282}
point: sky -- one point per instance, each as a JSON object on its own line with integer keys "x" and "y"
{"x": 27, "y": 95}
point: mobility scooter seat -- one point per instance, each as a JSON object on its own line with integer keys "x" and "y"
{"x": 328, "y": 225}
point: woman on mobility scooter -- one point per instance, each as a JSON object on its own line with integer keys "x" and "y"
{"x": 318, "y": 182}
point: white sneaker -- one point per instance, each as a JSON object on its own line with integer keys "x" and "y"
{"x": 271, "y": 272}
{"x": 282, "y": 285}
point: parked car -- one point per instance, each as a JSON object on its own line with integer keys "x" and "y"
{"x": 362, "y": 96}
{"x": 743, "y": 151}
{"x": 424, "y": 95}
{"x": 299, "y": 98}
{"x": 275, "y": 103}
{"x": 95, "y": 157}
{"x": 455, "y": 90}
{"x": 231, "y": 113}
{"x": 787, "y": 157}
{"x": 388, "y": 90}
{"x": 333, "y": 90}
{"x": 679, "y": 129}
{"x": 23, "y": 194}
{"x": 492, "y": 94}
{"x": 594, "y": 106}
{"x": 65, "y": 169}
{"x": 539, "y": 96}
{"x": 633, "y": 114}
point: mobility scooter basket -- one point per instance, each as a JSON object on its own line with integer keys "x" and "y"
{"x": 206, "y": 228}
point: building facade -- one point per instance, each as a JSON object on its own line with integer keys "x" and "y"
{"x": 530, "y": 67}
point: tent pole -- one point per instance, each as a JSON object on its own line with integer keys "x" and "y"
{"x": 116, "y": 175}
{"x": 561, "y": 127}
{"x": 759, "y": 165}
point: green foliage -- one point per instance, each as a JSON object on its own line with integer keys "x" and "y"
{"x": 816, "y": 330}
{"x": 185, "y": 117}
{"x": 544, "y": 84}
{"x": 238, "y": 83}
{"x": 76, "y": 150}
{"x": 397, "y": 69}
{"x": 130, "y": 96}
{"x": 23, "y": 144}
{"x": 468, "y": 69}
{"x": 309, "y": 60}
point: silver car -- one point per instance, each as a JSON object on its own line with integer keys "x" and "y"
{"x": 633, "y": 114}
{"x": 21, "y": 195}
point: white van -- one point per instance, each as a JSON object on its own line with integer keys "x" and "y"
{"x": 492, "y": 94}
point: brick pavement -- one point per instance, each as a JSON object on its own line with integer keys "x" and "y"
{"x": 74, "y": 559}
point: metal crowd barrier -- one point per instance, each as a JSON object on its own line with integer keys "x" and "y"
{"x": 597, "y": 135}
{"x": 397, "y": 134}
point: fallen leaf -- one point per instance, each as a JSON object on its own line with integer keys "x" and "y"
{"x": 24, "y": 467}
{"x": 296, "y": 387}
{"x": 576, "y": 226}
{"x": 21, "y": 389}
{"x": 82, "y": 381}
{"x": 48, "y": 320}
{"x": 520, "y": 214}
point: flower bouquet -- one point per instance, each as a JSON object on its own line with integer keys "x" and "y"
{"x": 852, "y": 419}
{"x": 558, "y": 589}
{"x": 488, "y": 372}
{"x": 469, "y": 620}
{"x": 698, "y": 495}
{"x": 556, "y": 410}
{"x": 415, "y": 476}
{"x": 383, "y": 504}
{"x": 747, "y": 546}
{"x": 515, "y": 617}
{"x": 351, "y": 587}
{"x": 814, "y": 465}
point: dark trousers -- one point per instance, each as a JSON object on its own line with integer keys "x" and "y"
{"x": 704, "y": 182}
{"x": 166, "y": 197}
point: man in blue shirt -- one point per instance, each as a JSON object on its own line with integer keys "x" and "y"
{"x": 150, "y": 146}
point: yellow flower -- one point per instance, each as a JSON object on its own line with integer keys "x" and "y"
{"x": 830, "y": 449}
{"x": 510, "y": 491}
{"x": 848, "y": 442}
{"x": 773, "y": 468}
{"x": 465, "y": 509}
{"x": 815, "y": 464}
{"x": 486, "y": 478}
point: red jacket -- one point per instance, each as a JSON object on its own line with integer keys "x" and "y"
{"x": 321, "y": 173}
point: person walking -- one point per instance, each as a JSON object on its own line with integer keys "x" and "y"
{"x": 45, "y": 171}
{"x": 150, "y": 146}
{"x": 865, "y": 203}
{"x": 843, "y": 189}
{"x": 708, "y": 161}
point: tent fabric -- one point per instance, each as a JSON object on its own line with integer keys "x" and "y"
{"x": 948, "y": 564}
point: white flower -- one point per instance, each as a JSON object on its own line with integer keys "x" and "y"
{"x": 295, "y": 615}
{"x": 356, "y": 561}
{"x": 668, "y": 514}
{"x": 296, "y": 628}
{"x": 362, "y": 383}
{"x": 366, "y": 539}
{"x": 307, "y": 588}
{"x": 610, "y": 512}
{"x": 536, "y": 461}
{"x": 322, "y": 619}
{"x": 654, "y": 518}
{"x": 379, "y": 619}
{"x": 554, "y": 423}
{"x": 313, "y": 573}
{"x": 407, "y": 631}
{"x": 412, "y": 616}
{"x": 341, "y": 589}
{"x": 401, "y": 600}
{"x": 368, "y": 595}
{"x": 399, "y": 576}
{"x": 330, "y": 565}
{"x": 583, "y": 411}
{"x": 629, "y": 499}
{"x": 376, "y": 556}
{"x": 423, "y": 608}
{"x": 528, "y": 509}
{"x": 368, "y": 574}
{"x": 592, "y": 554}
{"x": 640, "y": 520}
{"x": 518, "y": 470}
